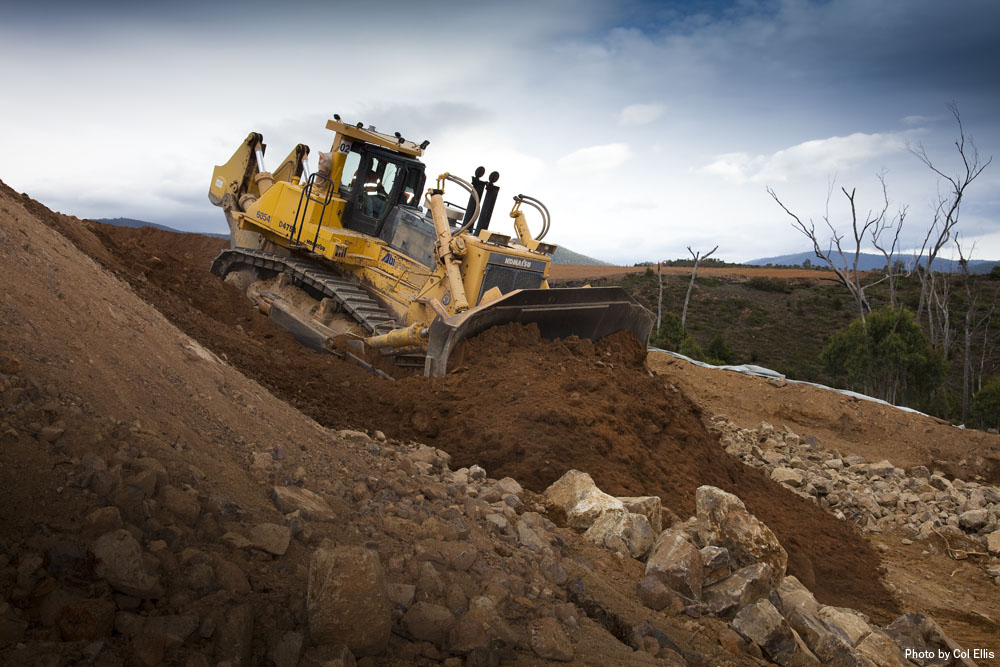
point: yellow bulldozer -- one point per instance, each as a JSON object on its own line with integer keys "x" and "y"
{"x": 358, "y": 248}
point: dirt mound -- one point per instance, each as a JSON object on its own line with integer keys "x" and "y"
{"x": 532, "y": 409}
{"x": 840, "y": 423}
{"x": 518, "y": 405}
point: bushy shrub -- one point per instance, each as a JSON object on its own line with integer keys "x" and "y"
{"x": 986, "y": 404}
{"x": 719, "y": 352}
{"x": 887, "y": 357}
{"x": 671, "y": 333}
{"x": 768, "y": 284}
{"x": 690, "y": 348}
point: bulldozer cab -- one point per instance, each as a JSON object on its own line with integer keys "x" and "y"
{"x": 374, "y": 182}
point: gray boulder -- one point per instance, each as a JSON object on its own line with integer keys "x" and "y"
{"x": 347, "y": 600}
{"x": 677, "y": 563}
{"x": 119, "y": 562}
{"x": 723, "y": 520}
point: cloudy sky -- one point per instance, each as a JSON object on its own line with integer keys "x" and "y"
{"x": 645, "y": 127}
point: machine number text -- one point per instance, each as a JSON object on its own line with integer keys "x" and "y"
{"x": 345, "y": 147}
{"x": 263, "y": 216}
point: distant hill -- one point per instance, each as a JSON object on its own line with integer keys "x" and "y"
{"x": 565, "y": 256}
{"x": 561, "y": 256}
{"x": 131, "y": 222}
{"x": 869, "y": 261}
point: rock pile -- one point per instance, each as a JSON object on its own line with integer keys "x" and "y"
{"x": 725, "y": 563}
{"x": 377, "y": 554}
{"x": 876, "y": 496}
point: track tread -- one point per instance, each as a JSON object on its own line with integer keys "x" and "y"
{"x": 354, "y": 300}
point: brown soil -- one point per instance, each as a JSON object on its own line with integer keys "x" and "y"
{"x": 841, "y": 423}
{"x": 519, "y": 406}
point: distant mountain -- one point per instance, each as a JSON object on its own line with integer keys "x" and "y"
{"x": 565, "y": 256}
{"x": 131, "y": 222}
{"x": 869, "y": 261}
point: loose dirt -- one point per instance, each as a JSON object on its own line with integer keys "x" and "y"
{"x": 520, "y": 407}
{"x": 873, "y": 431}
{"x": 517, "y": 405}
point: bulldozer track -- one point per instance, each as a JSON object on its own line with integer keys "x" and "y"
{"x": 346, "y": 292}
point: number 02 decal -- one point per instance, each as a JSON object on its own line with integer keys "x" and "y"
{"x": 345, "y": 147}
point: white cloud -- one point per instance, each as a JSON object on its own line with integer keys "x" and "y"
{"x": 640, "y": 114}
{"x": 818, "y": 156}
{"x": 917, "y": 120}
{"x": 595, "y": 158}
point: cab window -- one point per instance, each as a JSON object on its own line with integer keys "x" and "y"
{"x": 350, "y": 171}
{"x": 409, "y": 194}
{"x": 378, "y": 184}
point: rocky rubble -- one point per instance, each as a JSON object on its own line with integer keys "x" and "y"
{"x": 376, "y": 554}
{"x": 877, "y": 496}
{"x": 724, "y": 563}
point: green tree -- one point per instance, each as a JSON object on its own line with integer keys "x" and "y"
{"x": 986, "y": 404}
{"x": 670, "y": 335}
{"x": 719, "y": 351}
{"x": 691, "y": 349}
{"x": 886, "y": 356}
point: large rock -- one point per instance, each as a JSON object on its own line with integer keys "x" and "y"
{"x": 656, "y": 595}
{"x": 761, "y": 624}
{"x": 714, "y": 564}
{"x": 234, "y": 636}
{"x": 788, "y": 476}
{"x": 835, "y": 651}
{"x": 633, "y": 529}
{"x": 649, "y": 506}
{"x": 182, "y": 504}
{"x": 974, "y": 520}
{"x": 993, "y": 543}
{"x": 428, "y": 622}
{"x": 801, "y": 610}
{"x": 743, "y": 587}
{"x": 119, "y": 562}
{"x": 548, "y": 640}
{"x": 347, "y": 599}
{"x": 677, "y": 563}
{"x": 577, "y": 495}
{"x": 723, "y": 521}
{"x": 271, "y": 537}
{"x": 474, "y": 630}
{"x": 312, "y": 506}
{"x": 287, "y": 652}
{"x": 918, "y": 634}
{"x": 848, "y": 623}
{"x": 881, "y": 650}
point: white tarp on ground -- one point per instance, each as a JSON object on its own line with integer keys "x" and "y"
{"x": 760, "y": 371}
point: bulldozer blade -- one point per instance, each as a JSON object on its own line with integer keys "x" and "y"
{"x": 585, "y": 312}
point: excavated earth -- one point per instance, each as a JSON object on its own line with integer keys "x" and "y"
{"x": 512, "y": 403}
{"x": 515, "y": 404}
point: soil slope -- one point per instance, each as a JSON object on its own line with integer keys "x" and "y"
{"x": 519, "y": 406}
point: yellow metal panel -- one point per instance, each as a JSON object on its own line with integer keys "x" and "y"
{"x": 377, "y": 138}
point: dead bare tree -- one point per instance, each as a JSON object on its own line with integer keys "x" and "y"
{"x": 971, "y": 326}
{"x": 847, "y": 271}
{"x": 659, "y": 299}
{"x": 694, "y": 272}
{"x": 933, "y": 287}
{"x": 882, "y": 230}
